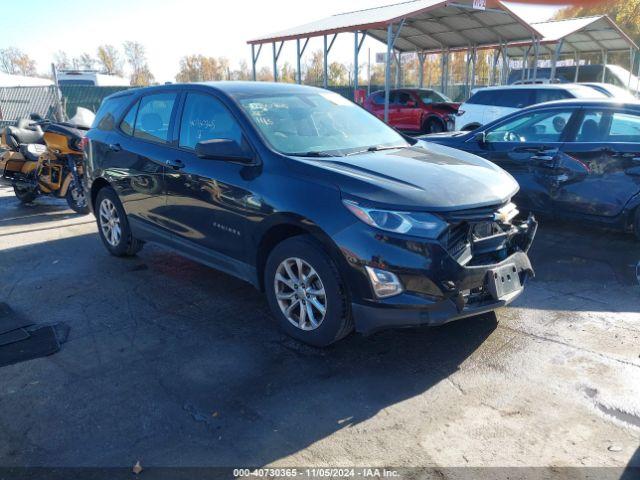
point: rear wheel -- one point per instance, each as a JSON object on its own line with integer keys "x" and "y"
{"x": 306, "y": 293}
{"x": 25, "y": 195}
{"x": 113, "y": 226}
{"x": 76, "y": 199}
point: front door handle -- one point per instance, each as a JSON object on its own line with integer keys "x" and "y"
{"x": 115, "y": 147}
{"x": 175, "y": 164}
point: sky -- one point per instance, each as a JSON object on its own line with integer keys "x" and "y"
{"x": 170, "y": 29}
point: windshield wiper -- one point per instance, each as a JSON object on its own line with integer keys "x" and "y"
{"x": 376, "y": 148}
{"x": 314, "y": 153}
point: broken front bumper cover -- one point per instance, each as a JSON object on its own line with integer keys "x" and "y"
{"x": 462, "y": 300}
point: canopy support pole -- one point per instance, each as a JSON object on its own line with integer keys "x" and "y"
{"x": 474, "y": 61}
{"x": 421, "y": 59}
{"x": 536, "y": 54}
{"x": 276, "y": 55}
{"x": 299, "y": 53}
{"x": 254, "y": 59}
{"x": 444, "y": 81}
{"x": 326, "y": 50}
{"x": 494, "y": 65}
{"x": 505, "y": 65}
{"x": 356, "y": 54}
{"x": 632, "y": 57}
{"x": 525, "y": 64}
{"x": 605, "y": 55}
{"x": 554, "y": 60}
{"x": 577, "y": 62}
{"x": 391, "y": 40}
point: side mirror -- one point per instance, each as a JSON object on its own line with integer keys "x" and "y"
{"x": 223, "y": 149}
{"x": 480, "y": 137}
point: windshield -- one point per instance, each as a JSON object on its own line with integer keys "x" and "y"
{"x": 431, "y": 96}
{"x": 318, "y": 123}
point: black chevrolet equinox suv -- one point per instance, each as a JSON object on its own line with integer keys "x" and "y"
{"x": 341, "y": 221}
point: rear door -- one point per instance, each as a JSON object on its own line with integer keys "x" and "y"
{"x": 528, "y": 147}
{"x": 606, "y": 148}
{"x": 139, "y": 151}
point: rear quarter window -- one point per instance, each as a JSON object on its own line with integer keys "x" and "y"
{"x": 109, "y": 111}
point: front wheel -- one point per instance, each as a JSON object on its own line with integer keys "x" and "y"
{"x": 25, "y": 195}
{"x": 306, "y": 293}
{"x": 433, "y": 125}
{"x": 113, "y": 226}
{"x": 77, "y": 200}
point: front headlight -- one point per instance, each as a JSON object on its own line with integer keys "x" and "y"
{"x": 414, "y": 223}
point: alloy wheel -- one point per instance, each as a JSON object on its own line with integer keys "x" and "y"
{"x": 110, "y": 222}
{"x": 300, "y": 293}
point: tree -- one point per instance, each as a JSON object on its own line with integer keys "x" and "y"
{"x": 137, "y": 60}
{"x": 287, "y": 73}
{"x": 265, "y": 74}
{"x": 15, "y": 62}
{"x": 242, "y": 73}
{"x": 109, "y": 60}
{"x": 337, "y": 74}
{"x": 86, "y": 61}
{"x": 314, "y": 69}
{"x": 198, "y": 68}
{"x": 61, "y": 60}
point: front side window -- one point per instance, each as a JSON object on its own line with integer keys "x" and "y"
{"x": 545, "y": 126}
{"x": 154, "y": 116}
{"x": 205, "y": 118}
{"x": 316, "y": 122}
{"x": 431, "y": 96}
{"x": 404, "y": 98}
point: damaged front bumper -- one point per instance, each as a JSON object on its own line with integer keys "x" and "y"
{"x": 483, "y": 275}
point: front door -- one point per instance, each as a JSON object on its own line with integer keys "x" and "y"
{"x": 528, "y": 147}
{"x": 209, "y": 200}
{"x": 606, "y": 148}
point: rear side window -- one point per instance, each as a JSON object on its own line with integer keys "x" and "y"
{"x": 514, "y": 98}
{"x": 483, "y": 97}
{"x": 549, "y": 95}
{"x": 205, "y": 118}
{"x": 153, "y": 117}
{"x": 108, "y": 111}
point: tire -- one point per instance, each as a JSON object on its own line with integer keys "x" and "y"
{"x": 24, "y": 195}
{"x": 336, "y": 323}
{"x": 433, "y": 125}
{"x": 77, "y": 201}
{"x": 108, "y": 206}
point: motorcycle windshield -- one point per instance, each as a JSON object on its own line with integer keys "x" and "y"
{"x": 83, "y": 118}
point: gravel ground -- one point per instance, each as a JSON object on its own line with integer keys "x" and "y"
{"x": 172, "y": 363}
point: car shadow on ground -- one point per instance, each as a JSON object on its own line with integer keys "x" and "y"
{"x": 178, "y": 364}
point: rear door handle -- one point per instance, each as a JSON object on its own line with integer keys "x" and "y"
{"x": 115, "y": 147}
{"x": 175, "y": 164}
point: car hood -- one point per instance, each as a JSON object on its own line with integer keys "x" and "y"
{"x": 423, "y": 177}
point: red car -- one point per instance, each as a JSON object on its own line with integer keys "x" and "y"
{"x": 418, "y": 110}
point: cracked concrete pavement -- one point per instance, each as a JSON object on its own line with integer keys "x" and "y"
{"x": 172, "y": 363}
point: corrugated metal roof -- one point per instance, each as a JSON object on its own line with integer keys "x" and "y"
{"x": 429, "y": 25}
{"x": 584, "y": 34}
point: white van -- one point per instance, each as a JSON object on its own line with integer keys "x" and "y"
{"x": 490, "y": 103}
{"x": 90, "y": 78}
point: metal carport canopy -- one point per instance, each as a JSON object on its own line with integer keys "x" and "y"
{"x": 580, "y": 35}
{"x": 428, "y": 25}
